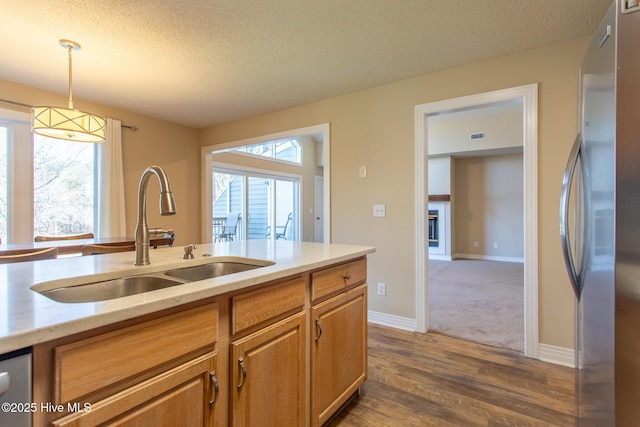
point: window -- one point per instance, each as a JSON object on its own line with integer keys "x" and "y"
{"x": 267, "y": 201}
{"x": 62, "y": 186}
{"x": 56, "y": 176}
{"x": 288, "y": 150}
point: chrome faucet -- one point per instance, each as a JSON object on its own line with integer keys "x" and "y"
{"x": 167, "y": 207}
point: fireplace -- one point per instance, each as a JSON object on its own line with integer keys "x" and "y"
{"x": 433, "y": 228}
{"x": 439, "y": 227}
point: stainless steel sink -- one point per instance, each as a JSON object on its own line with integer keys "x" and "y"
{"x": 211, "y": 270}
{"x": 132, "y": 285}
{"x": 110, "y": 289}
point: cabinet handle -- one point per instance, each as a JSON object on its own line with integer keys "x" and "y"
{"x": 244, "y": 373}
{"x": 216, "y": 387}
{"x": 319, "y": 329}
{"x": 346, "y": 276}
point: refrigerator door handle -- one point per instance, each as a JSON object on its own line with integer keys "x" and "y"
{"x": 567, "y": 180}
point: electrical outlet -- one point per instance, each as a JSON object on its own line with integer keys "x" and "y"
{"x": 476, "y": 244}
{"x": 382, "y": 289}
{"x": 379, "y": 211}
{"x": 495, "y": 245}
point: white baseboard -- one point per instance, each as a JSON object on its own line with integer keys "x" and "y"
{"x": 557, "y": 355}
{"x": 546, "y": 353}
{"x": 490, "y": 258}
{"x": 392, "y": 320}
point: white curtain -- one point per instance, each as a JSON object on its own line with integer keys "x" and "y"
{"x": 110, "y": 221}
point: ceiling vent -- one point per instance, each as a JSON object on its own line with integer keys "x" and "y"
{"x": 476, "y": 136}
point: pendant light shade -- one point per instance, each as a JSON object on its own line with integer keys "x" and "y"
{"x": 67, "y": 123}
{"x": 73, "y": 125}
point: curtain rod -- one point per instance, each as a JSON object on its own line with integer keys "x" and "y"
{"x": 20, "y": 104}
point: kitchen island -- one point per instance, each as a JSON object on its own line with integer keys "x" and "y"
{"x": 231, "y": 341}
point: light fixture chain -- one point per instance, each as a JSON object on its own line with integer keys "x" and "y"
{"x": 70, "y": 47}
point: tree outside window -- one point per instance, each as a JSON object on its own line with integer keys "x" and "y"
{"x": 62, "y": 186}
{"x": 61, "y": 201}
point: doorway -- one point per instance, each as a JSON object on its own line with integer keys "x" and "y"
{"x": 476, "y": 266}
{"x": 318, "y": 232}
{"x": 528, "y": 96}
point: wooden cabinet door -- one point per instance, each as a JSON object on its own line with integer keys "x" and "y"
{"x": 338, "y": 351}
{"x": 183, "y": 396}
{"x": 268, "y": 376}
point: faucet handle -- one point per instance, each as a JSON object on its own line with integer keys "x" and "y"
{"x": 188, "y": 251}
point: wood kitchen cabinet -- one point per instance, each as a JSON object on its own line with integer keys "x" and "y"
{"x": 339, "y": 344}
{"x": 143, "y": 371}
{"x": 181, "y": 397}
{"x": 268, "y": 376}
{"x": 268, "y": 368}
{"x": 288, "y": 352}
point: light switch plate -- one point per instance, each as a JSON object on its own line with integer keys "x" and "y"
{"x": 362, "y": 171}
{"x": 379, "y": 211}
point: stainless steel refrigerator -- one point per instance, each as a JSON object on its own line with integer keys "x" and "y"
{"x": 600, "y": 224}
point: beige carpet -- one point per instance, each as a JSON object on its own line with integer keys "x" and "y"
{"x": 479, "y": 301}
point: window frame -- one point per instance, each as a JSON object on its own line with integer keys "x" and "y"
{"x": 19, "y": 158}
{"x": 241, "y": 151}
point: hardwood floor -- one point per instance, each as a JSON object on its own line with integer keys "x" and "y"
{"x": 434, "y": 380}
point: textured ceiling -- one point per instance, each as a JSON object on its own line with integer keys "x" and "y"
{"x": 205, "y": 62}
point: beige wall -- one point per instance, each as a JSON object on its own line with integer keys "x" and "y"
{"x": 375, "y": 128}
{"x": 440, "y": 175}
{"x": 173, "y": 147}
{"x": 452, "y": 136}
{"x": 489, "y": 206}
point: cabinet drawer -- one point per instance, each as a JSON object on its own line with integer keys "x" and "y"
{"x": 254, "y": 307}
{"x": 338, "y": 278}
{"x": 91, "y": 364}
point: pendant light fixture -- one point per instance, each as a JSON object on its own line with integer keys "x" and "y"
{"x": 67, "y": 123}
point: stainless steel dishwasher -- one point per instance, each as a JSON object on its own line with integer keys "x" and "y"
{"x": 15, "y": 389}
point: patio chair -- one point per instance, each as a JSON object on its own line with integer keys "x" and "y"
{"x": 230, "y": 228}
{"x": 281, "y": 230}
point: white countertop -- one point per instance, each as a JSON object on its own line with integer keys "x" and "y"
{"x": 28, "y": 318}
